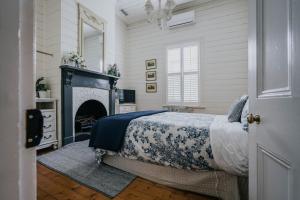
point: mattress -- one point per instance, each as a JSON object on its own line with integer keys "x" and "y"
{"x": 212, "y": 183}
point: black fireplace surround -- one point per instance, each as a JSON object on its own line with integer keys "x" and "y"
{"x": 76, "y": 77}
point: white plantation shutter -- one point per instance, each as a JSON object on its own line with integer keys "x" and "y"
{"x": 174, "y": 88}
{"x": 174, "y": 75}
{"x": 190, "y": 57}
{"x": 174, "y": 61}
{"x": 190, "y": 88}
{"x": 183, "y": 75}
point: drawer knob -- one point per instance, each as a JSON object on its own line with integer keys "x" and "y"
{"x": 46, "y": 138}
{"x": 47, "y": 117}
{"x": 47, "y": 126}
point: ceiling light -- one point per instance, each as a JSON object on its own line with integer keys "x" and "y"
{"x": 161, "y": 15}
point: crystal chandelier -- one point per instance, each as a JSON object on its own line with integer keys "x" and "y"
{"x": 162, "y": 15}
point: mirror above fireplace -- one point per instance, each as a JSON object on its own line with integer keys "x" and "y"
{"x": 91, "y": 39}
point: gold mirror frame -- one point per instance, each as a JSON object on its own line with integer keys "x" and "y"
{"x": 87, "y": 16}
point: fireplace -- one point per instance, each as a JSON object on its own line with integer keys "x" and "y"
{"x": 86, "y": 116}
{"x": 86, "y": 97}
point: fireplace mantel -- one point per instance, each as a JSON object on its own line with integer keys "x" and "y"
{"x": 70, "y": 71}
{"x": 76, "y": 77}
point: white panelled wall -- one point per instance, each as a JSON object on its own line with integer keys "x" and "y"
{"x": 48, "y": 39}
{"x": 40, "y": 36}
{"x": 221, "y": 29}
{"x": 121, "y": 49}
{"x": 57, "y": 33}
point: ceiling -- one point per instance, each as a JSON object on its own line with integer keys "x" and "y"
{"x": 136, "y": 10}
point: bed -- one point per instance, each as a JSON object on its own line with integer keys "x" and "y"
{"x": 197, "y": 152}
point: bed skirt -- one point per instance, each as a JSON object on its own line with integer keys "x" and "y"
{"x": 212, "y": 183}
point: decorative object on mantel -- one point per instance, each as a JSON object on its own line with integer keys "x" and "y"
{"x": 113, "y": 70}
{"x": 151, "y": 87}
{"x": 42, "y": 88}
{"x": 150, "y": 64}
{"x": 161, "y": 15}
{"x": 74, "y": 59}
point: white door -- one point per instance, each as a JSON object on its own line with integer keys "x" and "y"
{"x": 17, "y": 164}
{"x": 274, "y": 89}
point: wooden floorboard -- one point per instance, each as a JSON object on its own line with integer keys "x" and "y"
{"x": 54, "y": 186}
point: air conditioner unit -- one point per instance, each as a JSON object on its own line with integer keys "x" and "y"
{"x": 182, "y": 19}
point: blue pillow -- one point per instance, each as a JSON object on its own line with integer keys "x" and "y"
{"x": 235, "y": 111}
{"x": 244, "y": 116}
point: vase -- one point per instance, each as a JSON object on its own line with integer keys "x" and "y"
{"x": 77, "y": 64}
{"x": 43, "y": 94}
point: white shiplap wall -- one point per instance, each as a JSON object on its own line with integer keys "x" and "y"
{"x": 53, "y": 40}
{"x": 48, "y": 39}
{"x": 40, "y": 36}
{"x": 57, "y": 21}
{"x": 221, "y": 29}
{"x": 121, "y": 49}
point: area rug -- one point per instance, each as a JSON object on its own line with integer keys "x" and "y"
{"x": 77, "y": 161}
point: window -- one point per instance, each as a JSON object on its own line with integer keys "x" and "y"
{"x": 183, "y": 75}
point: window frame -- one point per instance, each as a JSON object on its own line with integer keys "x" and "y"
{"x": 182, "y": 73}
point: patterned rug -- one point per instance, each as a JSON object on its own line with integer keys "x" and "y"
{"x": 77, "y": 161}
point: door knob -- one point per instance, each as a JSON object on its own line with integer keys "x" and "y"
{"x": 253, "y": 118}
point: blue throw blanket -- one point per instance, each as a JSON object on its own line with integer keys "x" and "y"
{"x": 109, "y": 132}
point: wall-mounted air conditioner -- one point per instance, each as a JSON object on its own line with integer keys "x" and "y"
{"x": 182, "y": 19}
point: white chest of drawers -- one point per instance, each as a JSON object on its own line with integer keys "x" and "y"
{"x": 126, "y": 108}
{"x": 48, "y": 109}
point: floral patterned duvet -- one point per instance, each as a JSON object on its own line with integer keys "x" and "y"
{"x": 178, "y": 140}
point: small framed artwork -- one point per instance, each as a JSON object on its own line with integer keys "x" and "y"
{"x": 151, "y": 87}
{"x": 151, "y": 76}
{"x": 151, "y": 64}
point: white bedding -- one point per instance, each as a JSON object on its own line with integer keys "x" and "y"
{"x": 186, "y": 141}
{"x": 229, "y": 144}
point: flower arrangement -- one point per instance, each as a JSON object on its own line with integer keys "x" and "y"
{"x": 74, "y": 58}
{"x": 41, "y": 84}
{"x": 113, "y": 70}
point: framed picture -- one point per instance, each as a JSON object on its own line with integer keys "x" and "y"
{"x": 151, "y": 87}
{"x": 151, "y": 76}
{"x": 151, "y": 64}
